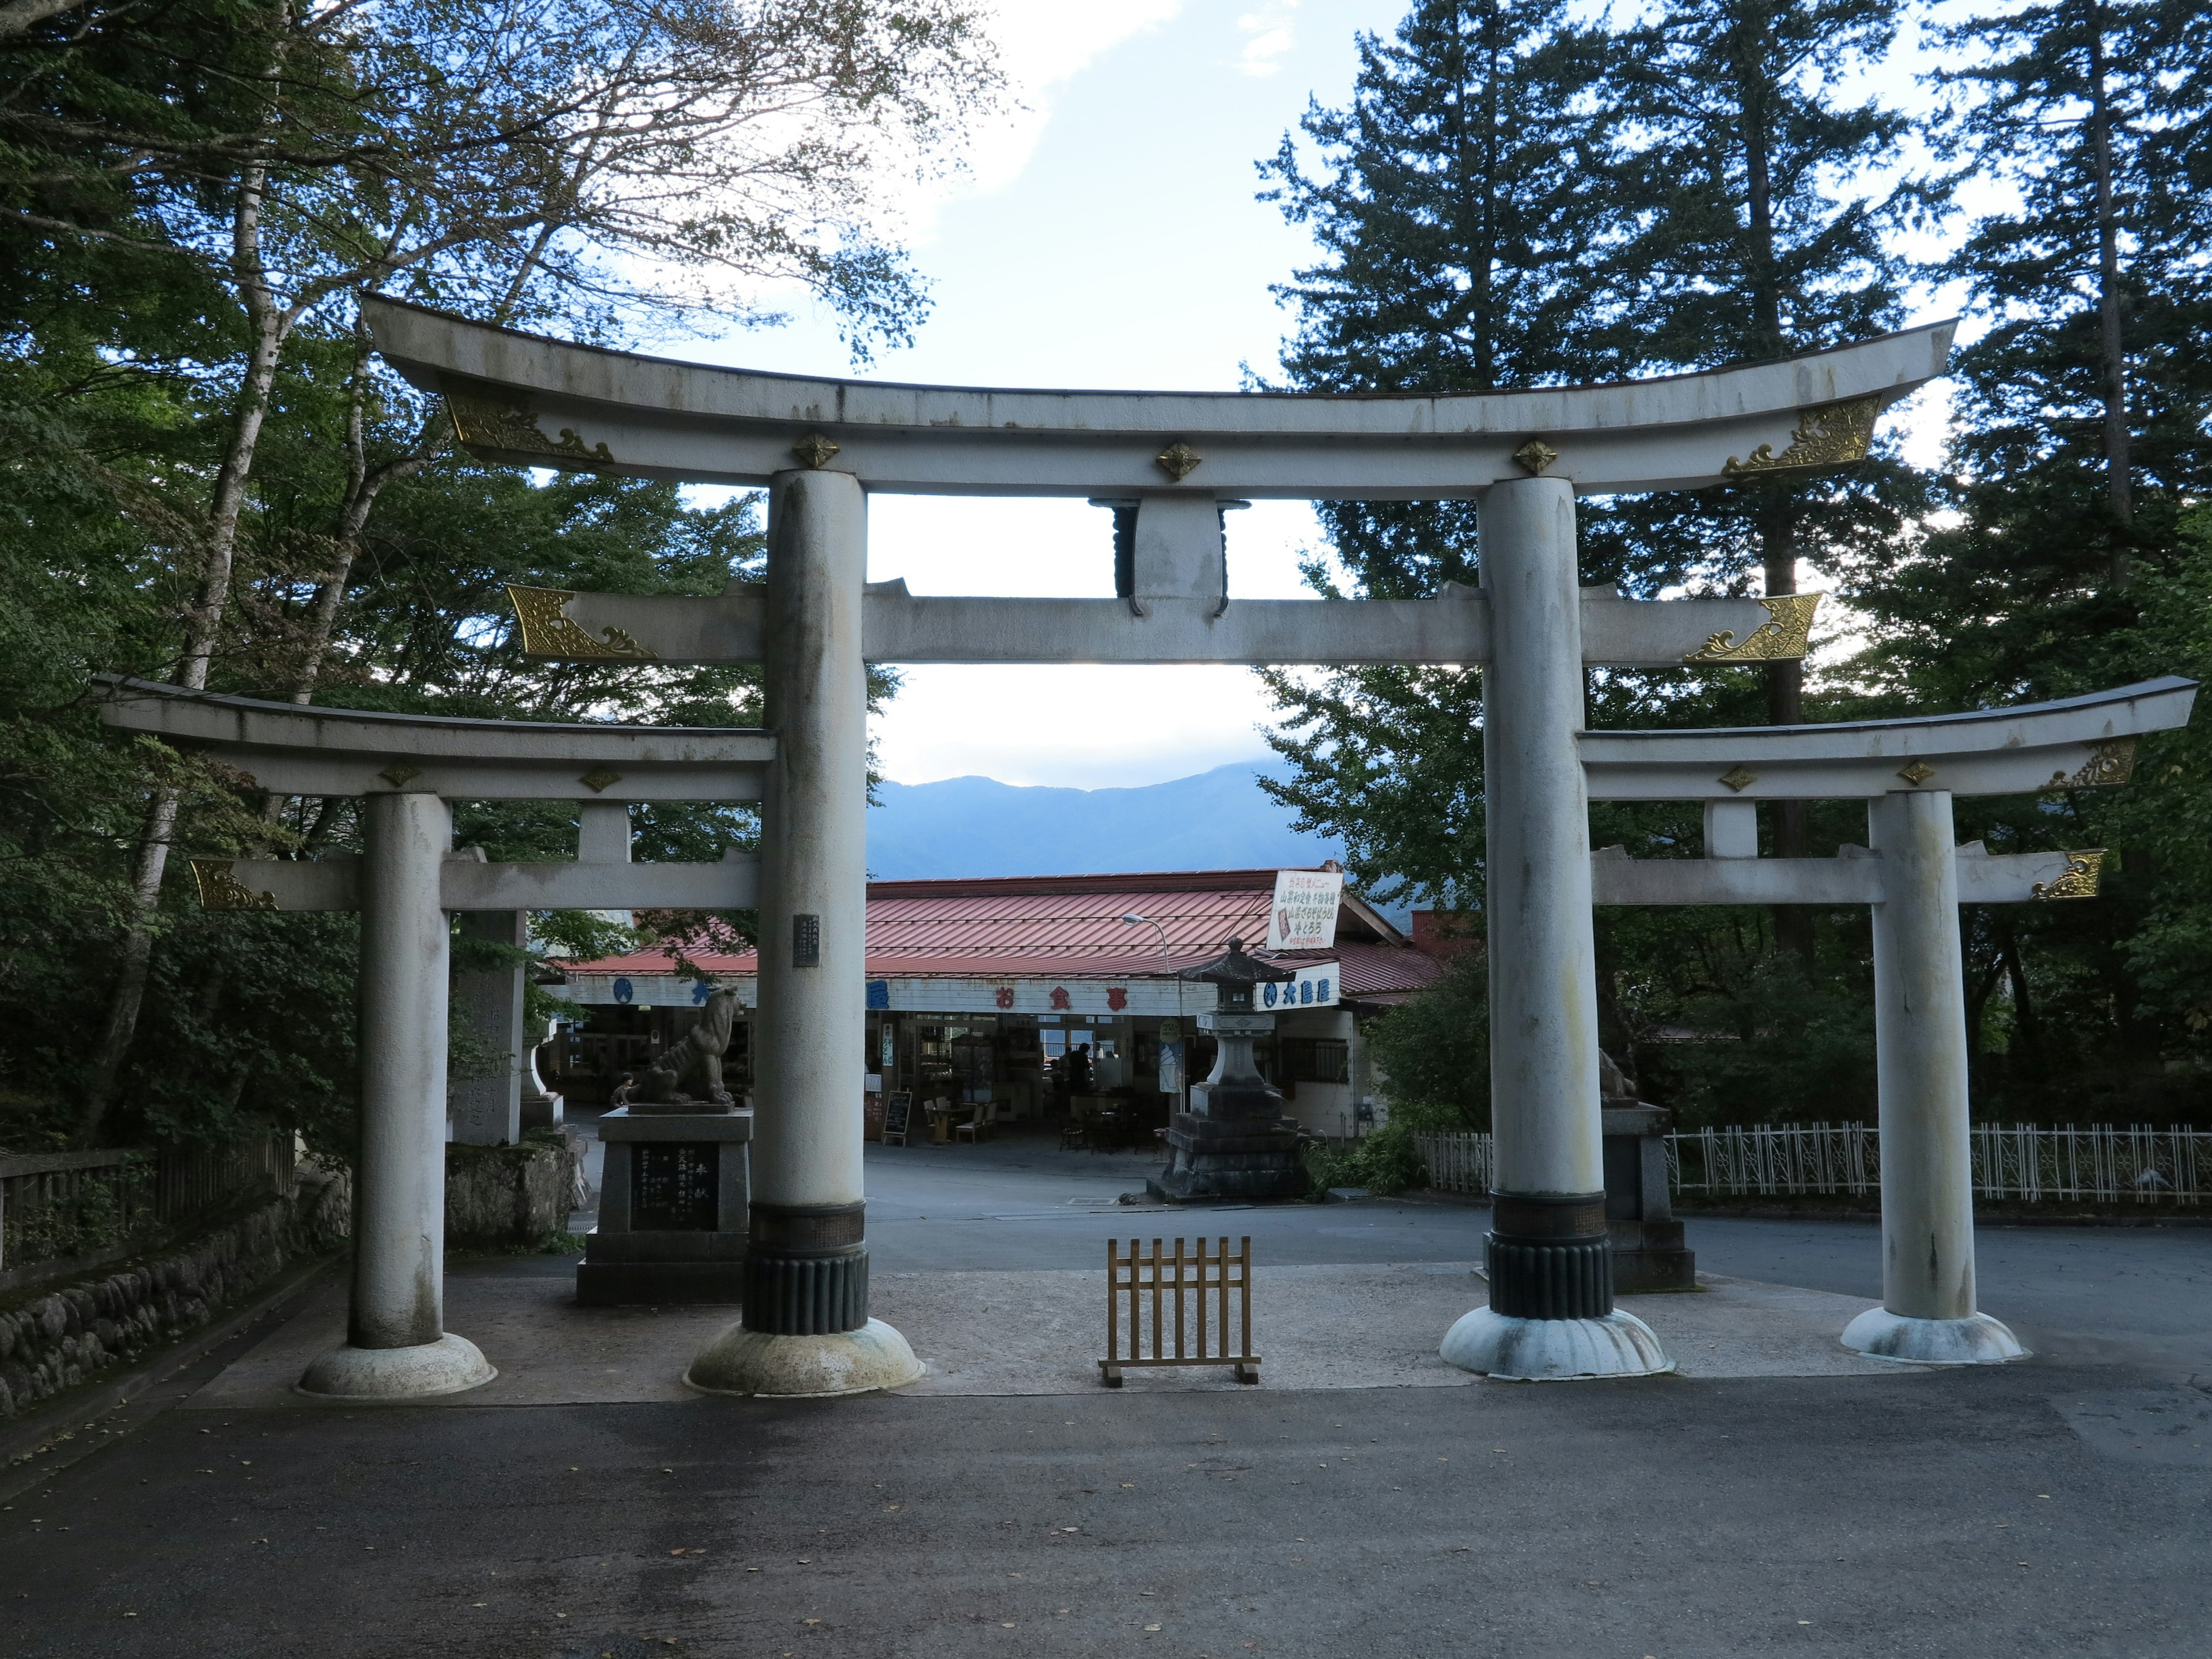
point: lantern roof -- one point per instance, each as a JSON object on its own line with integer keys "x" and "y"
{"x": 1233, "y": 968}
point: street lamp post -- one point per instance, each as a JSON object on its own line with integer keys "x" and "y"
{"x": 1182, "y": 1070}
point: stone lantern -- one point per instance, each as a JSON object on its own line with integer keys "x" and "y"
{"x": 1233, "y": 1142}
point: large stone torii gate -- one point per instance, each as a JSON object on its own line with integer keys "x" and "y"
{"x": 406, "y": 769}
{"x": 1169, "y": 465}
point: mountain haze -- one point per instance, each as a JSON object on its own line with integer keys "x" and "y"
{"x": 1218, "y": 820}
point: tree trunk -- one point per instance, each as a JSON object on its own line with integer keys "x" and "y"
{"x": 2027, "y": 1031}
{"x": 2112, "y": 346}
{"x": 1775, "y": 506}
{"x": 269, "y": 326}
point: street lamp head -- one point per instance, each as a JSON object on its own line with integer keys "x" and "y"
{"x": 1133, "y": 920}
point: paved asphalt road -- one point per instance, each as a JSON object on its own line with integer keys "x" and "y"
{"x": 2058, "y": 1507}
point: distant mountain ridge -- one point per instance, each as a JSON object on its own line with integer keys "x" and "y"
{"x": 974, "y": 827}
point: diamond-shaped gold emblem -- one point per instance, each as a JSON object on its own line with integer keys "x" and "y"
{"x": 599, "y": 778}
{"x": 1178, "y": 460}
{"x": 1533, "y": 457}
{"x": 815, "y": 449}
{"x": 398, "y": 773}
{"x": 1917, "y": 772}
{"x": 1739, "y": 778}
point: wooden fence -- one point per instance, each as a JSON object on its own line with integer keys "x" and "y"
{"x": 2072, "y": 1162}
{"x": 59, "y": 1211}
{"x": 1145, "y": 1288}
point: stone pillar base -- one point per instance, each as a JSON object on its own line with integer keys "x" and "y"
{"x": 1977, "y": 1340}
{"x": 451, "y": 1365}
{"x": 743, "y": 1362}
{"x": 1514, "y": 1350}
{"x": 1650, "y": 1256}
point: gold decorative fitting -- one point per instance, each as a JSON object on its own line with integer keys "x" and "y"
{"x": 1827, "y": 434}
{"x": 548, "y": 631}
{"x": 2113, "y": 760}
{"x": 599, "y": 778}
{"x": 1917, "y": 773}
{"x": 220, "y": 890}
{"x": 1178, "y": 460}
{"x": 1738, "y": 778}
{"x": 1782, "y": 640}
{"x": 2080, "y": 880}
{"x": 1533, "y": 457}
{"x": 500, "y": 422}
{"x": 816, "y": 449}
{"x": 398, "y": 773}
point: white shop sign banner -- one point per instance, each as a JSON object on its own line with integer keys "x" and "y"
{"x": 1304, "y": 914}
{"x": 1147, "y": 997}
{"x": 1317, "y": 987}
{"x": 649, "y": 990}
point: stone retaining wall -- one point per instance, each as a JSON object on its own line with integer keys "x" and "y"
{"x": 61, "y": 1336}
{"x": 511, "y": 1197}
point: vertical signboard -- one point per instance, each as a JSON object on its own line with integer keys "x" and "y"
{"x": 1304, "y": 914}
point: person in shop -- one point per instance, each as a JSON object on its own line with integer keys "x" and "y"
{"x": 1073, "y": 1070}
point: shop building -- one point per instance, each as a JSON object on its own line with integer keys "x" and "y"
{"x": 1025, "y": 997}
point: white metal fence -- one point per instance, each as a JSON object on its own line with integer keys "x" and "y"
{"x": 1457, "y": 1163}
{"x": 2138, "y": 1163}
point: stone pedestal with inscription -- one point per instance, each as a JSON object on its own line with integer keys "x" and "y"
{"x": 672, "y": 1200}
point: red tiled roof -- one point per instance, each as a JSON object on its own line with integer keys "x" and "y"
{"x": 1071, "y": 927}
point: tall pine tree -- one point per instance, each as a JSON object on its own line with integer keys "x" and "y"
{"x": 1762, "y": 239}
{"x": 2085, "y": 405}
{"x": 1462, "y": 204}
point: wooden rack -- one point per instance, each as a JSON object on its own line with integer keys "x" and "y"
{"x": 1177, "y": 1290}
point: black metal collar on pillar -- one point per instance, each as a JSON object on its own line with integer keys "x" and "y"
{"x": 807, "y": 1271}
{"x": 1549, "y": 1256}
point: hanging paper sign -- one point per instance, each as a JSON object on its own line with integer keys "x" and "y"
{"x": 1304, "y": 914}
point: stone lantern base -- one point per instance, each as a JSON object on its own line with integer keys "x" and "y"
{"x": 1210, "y": 1157}
{"x": 1234, "y": 1145}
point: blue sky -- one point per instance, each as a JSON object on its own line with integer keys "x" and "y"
{"x": 1107, "y": 235}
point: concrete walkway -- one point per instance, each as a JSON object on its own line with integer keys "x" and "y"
{"x": 1777, "y": 1497}
{"x": 1040, "y": 1332}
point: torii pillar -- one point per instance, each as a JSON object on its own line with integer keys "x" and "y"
{"x": 805, "y": 1329}
{"x": 1548, "y": 1254}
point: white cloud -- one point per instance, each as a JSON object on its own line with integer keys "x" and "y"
{"x": 1268, "y": 37}
{"x": 1042, "y": 44}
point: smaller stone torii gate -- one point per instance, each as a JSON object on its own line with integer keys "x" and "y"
{"x": 406, "y": 769}
{"x": 1908, "y": 772}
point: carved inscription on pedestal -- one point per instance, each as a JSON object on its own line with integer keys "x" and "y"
{"x": 674, "y": 1186}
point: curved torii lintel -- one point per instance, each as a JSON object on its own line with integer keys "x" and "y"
{"x": 2070, "y": 743}
{"x": 302, "y": 749}
{"x": 525, "y": 399}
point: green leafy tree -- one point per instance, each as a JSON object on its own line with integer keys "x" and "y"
{"x": 597, "y": 161}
